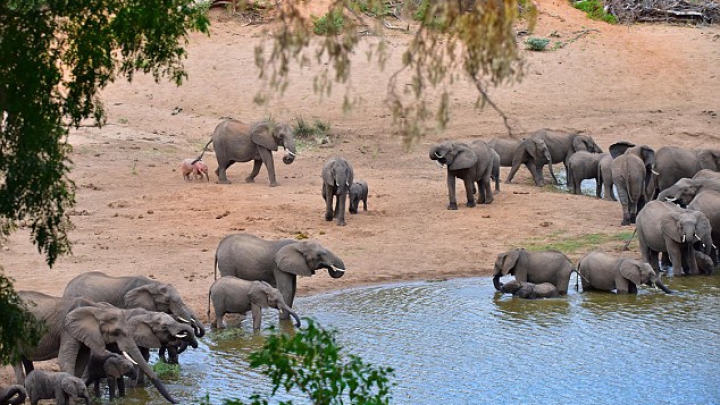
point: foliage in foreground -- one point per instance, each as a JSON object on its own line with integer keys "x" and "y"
{"x": 18, "y": 327}
{"x": 595, "y": 9}
{"x": 311, "y": 362}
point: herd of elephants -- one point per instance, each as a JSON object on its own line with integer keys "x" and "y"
{"x": 104, "y": 325}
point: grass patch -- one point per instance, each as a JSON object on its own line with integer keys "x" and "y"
{"x": 536, "y": 44}
{"x": 331, "y": 23}
{"x": 165, "y": 370}
{"x": 308, "y": 134}
{"x": 578, "y": 244}
{"x": 230, "y": 334}
{"x": 377, "y": 9}
{"x": 595, "y": 9}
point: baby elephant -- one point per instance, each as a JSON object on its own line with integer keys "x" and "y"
{"x": 231, "y": 295}
{"x": 358, "y": 192}
{"x": 529, "y": 290}
{"x": 63, "y": 387}
{"x": 113, "y": 368}
{"x": 196, "y": 167}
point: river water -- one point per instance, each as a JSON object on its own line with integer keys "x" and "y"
{"x": 460, "y": 342}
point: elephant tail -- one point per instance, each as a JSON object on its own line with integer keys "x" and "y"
{"x": 202, "y": 153}
{"x": 215, "y": 265}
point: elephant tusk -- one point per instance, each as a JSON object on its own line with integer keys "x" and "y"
{"x": 129, "y": 358}
{"x": 683, "y": 239}
{"x": 670, "y": 199}
{"x": 181, "y": 335}
{"x": 338, "y": 269}
{"x": 181, "y": 319}
{"x": 437, "y": 155}
{"x": 291, "y": 153}
{"x": 655, "y": 173}
{"x": 439, "y": 164}
{"x": 281, "y": 311}
{"x": 698, "y": 238}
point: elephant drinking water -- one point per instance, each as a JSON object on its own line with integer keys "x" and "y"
{"x": 604, "y": 272}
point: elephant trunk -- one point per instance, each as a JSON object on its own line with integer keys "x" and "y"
{"x": 334, "y": 265}
{"x": 662, "y": 286}
{"x": 496, "y": 282}
{"x": 13, "y": 395}
{"x": 290, "y": 151}
{"x": 132, "y": 350}
{"x": 183, "y": 314}
{"x": 292, "y": 313}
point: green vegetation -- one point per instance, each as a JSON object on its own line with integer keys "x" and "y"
{"x": 18, "y": 327}
{"x": 165, "y": 370}
{"x": 304, "y": 130}
{"x": 331, "y": 23}
{"x": 536, "y": 44}
{"x": 595, "y": 9}
{"x": 373, "y": 9}
{"x": 579, "y": 244}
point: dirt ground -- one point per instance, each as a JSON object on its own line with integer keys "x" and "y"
{"x": 658, "y": 85}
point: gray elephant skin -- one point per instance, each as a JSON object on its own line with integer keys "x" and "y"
{"x": 531, "y": 152}
{"x": 605, "y": 169}
{"x": 673, "y": 163}
{"x": 548, "y": 266}
{"x": 231, "y": 295}
{"x": 563, "y": 144}
{"x": 604, "y": 272}
{"x": 337, "y": 176}
{"x": 112, "y": 368}
{"x": 279, "y": 263}
{"x": 529, "y": 290}
{"x": 13, "y": 395}
{"x": 665, "y": 227}
{"x": 472, "y": 163}
{"x": 358, "y": 193}
{"x": 584, "y": 165}
{"x": 235, "y": 141}
{"x": 632, "y": 175}
{"x": 63, "y": 387}
{"x": 133, "y": 292}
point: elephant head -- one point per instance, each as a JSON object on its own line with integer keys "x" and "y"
{"x": 639, "y": 273}
{"x": 505, "y": 264}
{"x": 585, "y": 143}
{"x": 75, "y": 388}
{"x": 455, "y": 155}
{"x": 264, "y": 295}
{"x": 117, "y": 366}
{"x": 13, "y": 395}
{"x": 687, "y": 227}
{"x": 681, "y": 193}
{"x": 270, "y": 135}
{"x": 93, "y": 328}
{"x": 154, "y": 329}
{"x": 161, "y": 297}
{"x": 709, "y": 159}
{"x": 516, "y": 287}
{"x": 303, "y": 258}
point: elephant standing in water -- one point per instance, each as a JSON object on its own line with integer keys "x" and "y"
{"x": 63, "y": 387}
{"x": 113, "y": 368}
{"x": 632, "y": 175}
{"x": 472, "y": 163}
{"x": 665, "y": 227}
{"x": 673, "y": 163}
{"x": 535, "y": 267}
{"x": 585, "y": 165}
{"x": 337, "y": 175}
{"x": 235, "y": 141}
{"x": 13, "y": 395}
{"x": 604, "y": 272}
{"x": 279, "y": 263}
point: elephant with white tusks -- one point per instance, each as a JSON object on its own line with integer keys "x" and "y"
{"x": 12, "y": 395}
{"x": 113, "y": 368}
{"x": 63, "y": 387}
{"x": 337, "y": 176}
{"x": 604, "y": 272}
{"x": 531, "y": 291}
{"x": 279, "y": 263}
{"x": 231, "y": 295}
{"x": 548, "y": 266}
{"x": 673, "y": 163}
{"x": 473, "y": 163}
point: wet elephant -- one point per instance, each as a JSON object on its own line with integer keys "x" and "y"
{"x": 604, "y": 272}
{"x": 548, "y": 266}
{"x": 632, "y": 174}
{"x": 472, "y": 163}
{"x": 529, "y": 290}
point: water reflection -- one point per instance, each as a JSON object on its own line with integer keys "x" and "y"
{"x": 459, "y": 342}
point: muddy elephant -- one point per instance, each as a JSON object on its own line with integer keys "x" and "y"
{"x": 548, "y": 266}
{"x": 473, "y": 163}
{"x": 279, "y": 262}
{"x": 13, "y": 395}
{"x": 529, "y": 290}
{"x": 585, "y": 165}
{"x": 632, "y": 175}
{"x": 232, "y": 295}
{"x": 665, "y": 227}
{"x": 113, "y": 368}
{"x": 605, "y": 272}
{"x": 563, "y": 144}
{"x": 531, "y": 152}
{"x": 235, "y": 141}
{"x": 358, "y": 193}
{"x": 63, "y": 387}
{"x": 134, "y": 292}
{"x": 673, "y": 163}
{"x": 337, "y": 176}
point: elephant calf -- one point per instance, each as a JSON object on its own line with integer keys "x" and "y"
{"x": 61, "y": 386}
{"x": 237, "y": 296}
{"x": 358, "y": 192}
{"x": 601, "y": 271}
{"x": 529, "y": 290}
{"x": 113, "y": 368}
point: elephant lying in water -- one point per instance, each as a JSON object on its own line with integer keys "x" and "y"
{"x": 529, "y": 290}
{"x": 601, "y": 271}
{"x": 535, "y": 267}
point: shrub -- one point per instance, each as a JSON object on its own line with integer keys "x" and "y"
{"x": 537, "y": 44}
{"x": 331, "y": 23}
{"x": 595, "y": 10}
{"x": 304, "y": 130}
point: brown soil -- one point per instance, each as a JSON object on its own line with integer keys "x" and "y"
{"x": 135, "y": 214}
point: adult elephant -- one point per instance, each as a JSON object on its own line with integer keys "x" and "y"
{"x": 685, "y": 190}
{"x": 13, "y": 395}
{"x": 134, "y": 292}
{"x": 235, "y": 141}
{"x": 585, "y": 165}
{"x": 563, "y": 144}
{"x": 531, "y": 152}
{"x": 673, "y": 163}
{"x": 279, "y": 263}
{"x": 632, "y": 174}
{"x": 337, "y": 175}
{"x": 665, "y": 227}
{"x": 605, "y": 168}
{"x": 472, "y": 163}
{"x": 548, "y": 266}
{"x": 604, "y": 272}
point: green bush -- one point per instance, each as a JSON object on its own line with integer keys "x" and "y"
{"x": 305, "y": 130}
{"x": 595, "y": 9}
{"x": 537, "y": 44}
{"x": 331, "y": 23}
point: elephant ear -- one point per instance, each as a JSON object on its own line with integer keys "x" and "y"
{"x": 291, "y": 259}
{"x": 702, "y": 224}
{"x": 259, "y": 294}
{"x": 142, "y": 333}
{"x": 510, "y": 261}
{"x": 464, "y": 157}
{"x": 648, "y": 156}
{"x": 143, "y": 297}
{"x": 670, "y": 229}
{"x": 580, "y": 143}
{"x": 619, "y": 148}
{"x": 69, "y": 386}
{"x": 709, "y": 159}
{"x": 631, "y": 271}
{"x": 262, "y": 134}
{"x": 83, "y": 325}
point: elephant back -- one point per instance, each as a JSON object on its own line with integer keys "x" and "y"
{"x": 101, "y": 287}
{"x": 248, "y": 257}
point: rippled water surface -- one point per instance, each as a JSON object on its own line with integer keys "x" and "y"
{"x": 458, "y": 342}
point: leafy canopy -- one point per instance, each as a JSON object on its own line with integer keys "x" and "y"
{"x": 451, "y": 40}
{"x": 18, "y": 328}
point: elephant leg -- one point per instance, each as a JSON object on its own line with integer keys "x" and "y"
{"x": 537, "y": 173}
{"x": 470, "y": 191}
{"x": 340, "y": 209}
{"x": 121, "y": 386}
{"x": 514, "y": 169}
{"x": 675, "y": 253}
{"x": 691, "y": 259}
{"x": 286, "y": 284}
{"x": 255, "y": 171}
{"x": 267, "y": 158}
{"x": 219, "y": 315}
{"x": 488, "y": 197}
{"x": 222, "y": 172}
{"x": 451, "y": 192}
{"x": 329, "y": 202}
{"x": 112, "y": 387}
